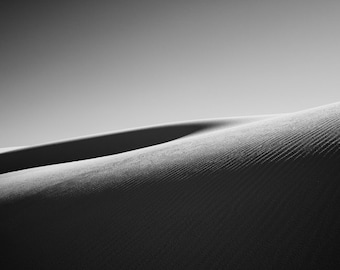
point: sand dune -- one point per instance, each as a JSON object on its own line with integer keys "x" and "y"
{"x": 236, "y": 193}
{"x": 108, "y": 144}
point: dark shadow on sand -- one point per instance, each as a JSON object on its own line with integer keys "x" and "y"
{"x": 93, "y": 147}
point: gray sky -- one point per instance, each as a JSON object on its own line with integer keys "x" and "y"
{"x": 73, "y": 68}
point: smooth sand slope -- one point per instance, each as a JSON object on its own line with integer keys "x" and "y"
{"x": 239, "y": 193}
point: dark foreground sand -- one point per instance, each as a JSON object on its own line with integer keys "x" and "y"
{"x": 239, "y": 193}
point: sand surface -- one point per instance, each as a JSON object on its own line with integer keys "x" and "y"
{"x": 236, "y": 193}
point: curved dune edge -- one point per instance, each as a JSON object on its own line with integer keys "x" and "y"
{"x": 262, "y": 195}
{"x": 14, "y": 159}
{"x": 9, "y": 149}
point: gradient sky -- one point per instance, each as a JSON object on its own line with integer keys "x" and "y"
{"x": 73, "y": 68}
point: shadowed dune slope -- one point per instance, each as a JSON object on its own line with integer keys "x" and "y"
{"x": 264, "y": 194}
{"x": 108, "y": 144}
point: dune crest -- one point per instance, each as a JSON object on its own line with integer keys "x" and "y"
{"x": 13, "y": 159}
{"x": 245, "y": 193}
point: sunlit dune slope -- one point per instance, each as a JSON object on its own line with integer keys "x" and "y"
{"x": 239, "y": 193}
{"x": 18, "y": 158}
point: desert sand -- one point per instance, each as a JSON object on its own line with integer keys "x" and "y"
{"x": 236, "y": 193}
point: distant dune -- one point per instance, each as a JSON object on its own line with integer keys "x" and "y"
{"x": 236, "y": 193}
